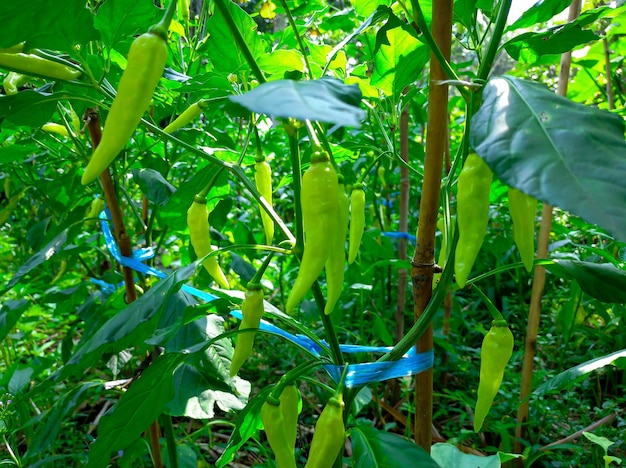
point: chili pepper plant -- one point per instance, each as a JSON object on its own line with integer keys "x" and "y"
{"x": 282, "y": 233}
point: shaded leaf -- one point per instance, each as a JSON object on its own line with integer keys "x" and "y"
{"x": 29, "y": 107}
{"x": 153, "y": 185}
{"x": 603, "y": 281}
{"x": 10, "y": 313}
{"x": 372, "y": 448}
{"x": 566, "y": 154}
{"x": 139, "y": 407}
{"x": 120, "y": 22}
{"x": 33, "y": 262}
{"x": 324, "y": 100}
{"x": 567, "y": 378}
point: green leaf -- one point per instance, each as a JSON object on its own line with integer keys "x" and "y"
{"x": 448, "y": 455}
{"x": 567, "y": 378}
{"x": 29, "y": 107}
{"x": 281, "y": 61}
{"x": 10, "y": 313}
{"x": 220, "y": 46}
{"x": 153, "y": 185}
{"x": 46, "y": 26}
{"x": 372, "y": 448}
{"x": 33, "y": 262}
{"x": 541, "y": 143}
{"x": 139, "y": 407}
{"x": 598, "y": 440}
{"x": 399, "y": 58}
{"x": 247, "y": 423}
{"x": 367, "y": 7}
{"x": 603, "y": 281}
{"x": 130, "y": 326}
{"x": 120, "y": 21}
{"x": 540, "y": 12}
{"x": 529, "y": 47}
{"x": 324, "y": 100}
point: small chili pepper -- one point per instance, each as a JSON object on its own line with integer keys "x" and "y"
{"x": 522, "y": 208}
{"x": 328, "y": 438}
{"x": 263, "y": 180}
{"x": 30, "y": 64}
{"x": 320, "y": 200}
{"x": 51, "y": 127}
{"x": 289, "y": 407}
{"x": 274, "y": 425}
{"x": 200, "y": 238}
{"x": 335, "y": 264}
{"x": 13, "y": 81}
{"x": 189, "y": 114}
{"x": 146, "y": 61}
{"x": 496, "y": 351}
{"x": 357, "y": 220}
{"x": 252, "y": 311}
{"x": 472, "y": 214}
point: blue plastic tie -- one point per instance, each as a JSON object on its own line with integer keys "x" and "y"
{"x": 358, "y": 374}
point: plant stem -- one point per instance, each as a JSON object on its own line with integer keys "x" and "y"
{"x": 166, "y": 422}
{"x": 292, "y": 23}
{"x": 494, "y": 43}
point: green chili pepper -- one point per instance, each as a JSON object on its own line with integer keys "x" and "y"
{"x": 252, "y": 311}
{"x": 263, "y": 180}
{"x": 290, "y": 408}
{"x": 357, "y": 220}
{"x": 189, "y": 114}
{"x": 472, "y": 213}
{"x": 335, "y": 264}
{"x": 274, "y": 425}
{"x": 497, "y": 349}
{"x": 328, "y": 438}
{"x": 200, "y": 238}
{"x": 13, "y": 81}
{"x": 51, "y": 127}
{"x": 30, "y": 64}
{"x": 320, "y": 202}
{"x": 523, "y": 208}
{"x": 146, "y": 61}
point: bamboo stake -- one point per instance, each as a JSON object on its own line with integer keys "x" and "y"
{"x": 123, "y": 242}
{"x": 539, "y": 277}
{"x": 424, "y": 256}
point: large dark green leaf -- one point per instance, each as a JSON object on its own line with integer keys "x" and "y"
{"x": 29, "y": 107}
{"x": 325, "y": 100}
{"x": 45, "y": 25}
{"x": 540, "y": 12}
{"x": 139, "y": 407}
{"x": 119, "y": 22}
{"x": 566, "y": 154}
{"x": 567, "y": 378}
{"x": 10, "y": 313}
{"x": 603, "y": 281}
{"x": 130, "y": 326}
{"x": 372, "y": 448}
{"x": 153, "y": 185}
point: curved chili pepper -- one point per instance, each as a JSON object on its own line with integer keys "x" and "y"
{"x": 472, "y": 214}
{"x": 146, "y": 61}
{"x": 59, "y": 129}
{"x": 252, "y": 312}
{"x": 263, "y": 180}
{"x": 30, "y": 64}
{"x": 335, "y": 264}
{"x": 496, "y": 351}
{"x": 289, "y": 407}
{"x": 274, "y": 425}
{"x": 320, "y": 201}
{"x": 357, "y": 220}
{"x": 523, "y": 208}
{"x": 328, "y": 438}
{"x": 189, "y": 114}
{"x": 200, "y": 238}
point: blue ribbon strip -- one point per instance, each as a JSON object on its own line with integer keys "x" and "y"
{"x": 358, "y": 374}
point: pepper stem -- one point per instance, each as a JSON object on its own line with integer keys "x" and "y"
{"x": 256, "y": 279}
{"x": 163, "y": 26}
